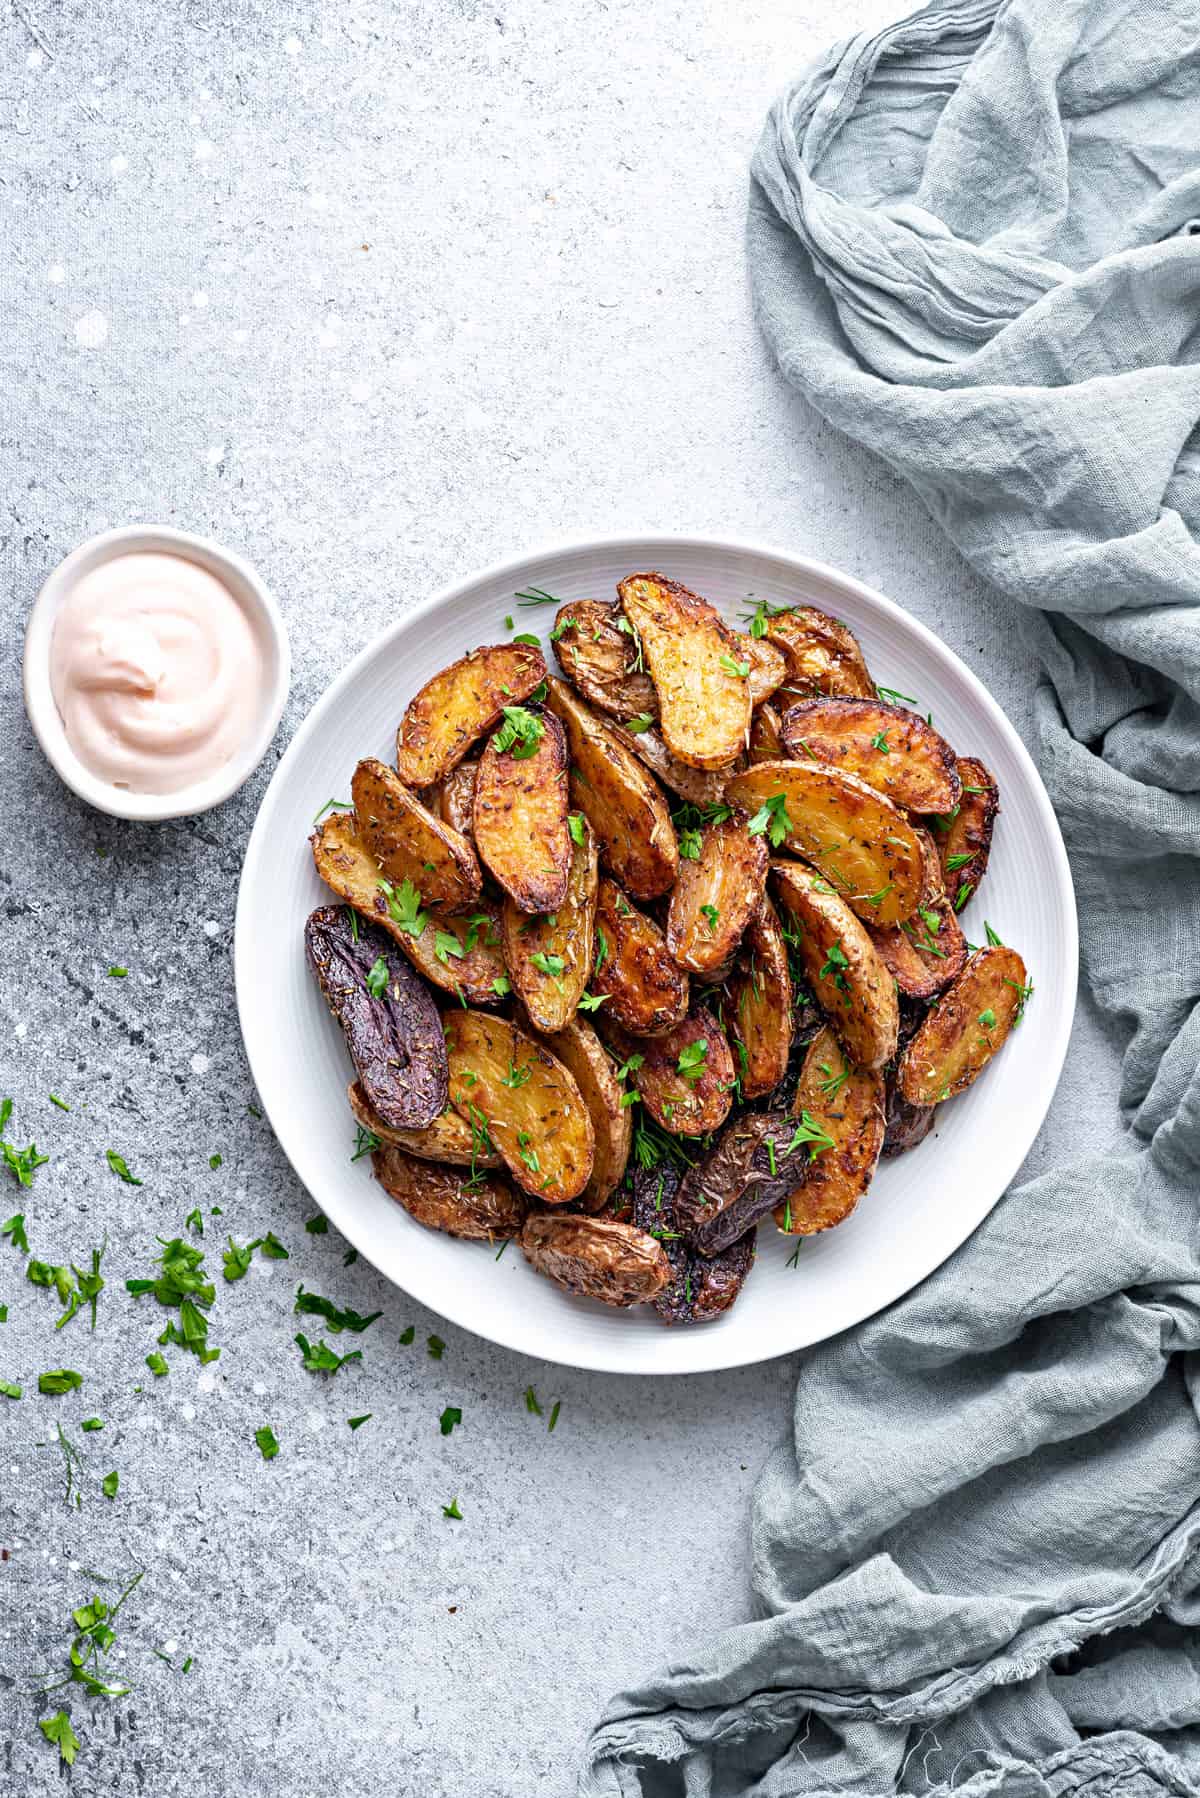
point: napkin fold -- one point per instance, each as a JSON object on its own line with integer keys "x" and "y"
{"x": 974, "y": 240}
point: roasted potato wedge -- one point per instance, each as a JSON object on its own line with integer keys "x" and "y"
{"x": 687, "y": 1101}
{"x": 758, "y": 1160}
{"x": 892, "y": 749}
{"x": 622, "y": 802}
{"x": 970, "y": 1022}
{"x": 645, "y": 991}
{"x": 447, "y": 1138}
{"x": 846, "y": 1103}
{"x": 927, "y": 951}
{"x": 453, "y": 799}
{"x": 549, "y": 957}
{"x": 693, "y": 658}
{"x": 716, "y": 896}
{"x": 599, "y": 656}
{"x": 863, "y": 845}
{"x": 700, "y": 1288}
{"x": 393, "y": 1035}
{"x": 822, "y": 655}
{"x": 964, "y": 836}
{"x": 410, "y": 842}
{"x": 443, "y": 1198}
{"x": 531, "y": 1107}
{"x": 758, "y": 1005}
{"x": 907, "y": 1125}
{"x": 520, "y": 816}
{"x": 768, "y": 666}
{"x": 766, "y": 744}
{"x": 699, "y": 786}
{"x": 845, "y": 972}
{"x": 454, "y": 709}
{"x": 583, "y": 1055}
{"x": 595, "y": 1257}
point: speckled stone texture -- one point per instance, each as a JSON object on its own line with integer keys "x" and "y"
{"x": 374, "y": 294}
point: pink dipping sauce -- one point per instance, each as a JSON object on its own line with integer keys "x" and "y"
{"x": 156, "y": 671}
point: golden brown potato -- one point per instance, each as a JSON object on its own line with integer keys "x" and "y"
{"x": 758, "y": 1007}
{"x": 549, "y": 957}
{"x": 927, "y": 951}
{"x": 582, "y": 1054}
{"x": 822, "y": 654}
{"x": 456, "y": 707}
{"x": 622, "y": 802}
{"x": 700, "y": 786}
{"x": 685, "y": 1078}
{"x": 964, "y": 836}
{"x": 520, "y": 814}
{"x": 846, "y": 1104}
{"x": 862, "y": 844}
{"x": 695, "y": 662}
{"x": 766, "y": 744}
{"x": 448, "y": 1138}
{"x": 845, "y": 972}
{"x": 768, "y": 666}
{"x": 716, "y": 896}
{"x": 595, "y": 1257}
{"x": 482, "y": 1209}
{"x": 632, "y": 971}
{"x": 601, "y": 660}
{"x": 965, "y": 1028}
{"x": 453, "y": 799}
{"x": 409, "y": 842}
{"x": 892, "y": 749}
{"x": 509, "y": 1085}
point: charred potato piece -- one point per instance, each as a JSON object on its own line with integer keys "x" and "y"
{"x": 600, "y": 659}
{"x": 716, "y": 896}
{"x": 697, "y": 785}
{"x": 892, "y": 749}
{"x": 394, "y": 1039}
{"x": 686, "y": 1100}
{"x": 595, "y": 1257}
{"x": 927, "y": 951}
{"x": 622, "y": 802}
{"x": 768, "y": 666}
{"x": 454, "y": 709}
{"x": 822, "y": 655}
{"x": 847, "y": 1104}
{"x": 699, "y": 1288}
{"x": 409, "y": 842}
{"x": 906, "y": 1126}
{"x": 863, "y": 844}
{"x": 766, "y": 744}
{"x": 453, "y": 799}
{"x": 503, "y": 1081}
{"x": 758, "y": 1009}
{"x": 964, "y": 836}
{"x": 759, "y": 1159}
{"x": 966, "y": 1027}
{"x": 849, "y": 980}
{"x": 446, "y": 1138}
{"x": 632, "y": 971}
{"x": 549, "y": 957}
{"x": 442, "y": 1198}
{"x": 582, "y": 1054}
{"x": 520, "y": 816}
{"x": 693, "y": 658}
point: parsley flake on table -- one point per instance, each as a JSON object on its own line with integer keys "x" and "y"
{"x": 116, "y": 973}
{"x": 320, "y": 1358}
{"x": 194, "y": 1221}
{"x": 117, "y": 1164}
{"x": 22, "y": 1164}
{"x": 237, "y": 1261}
{"x": 10, "y": 1389}
{"x": 452, "y": 1510}
{"x": 109, "y": 1484}
{"x": 57, "y": 1729}
{"x": 91, "y": 1423}
{"x": 356, "y": 1423}
{"x": 994, "y": 940}
{"x": 61, "y": 1103}
{"x": 312, "y": 1304}
{"x": 58, "y": 1380}
{"x": 531, "y": 1402}
{"x": 450, "y": 1416}
{"x": 157, "y": 1364}
{"x": 317, "y": 1225}
{"x": 3, "y": 1314}
{"x": 408, "y": 1335}
{"x": 556, "y": 1408}
{"x": 268, "y": 1448}
{"x": 435, "y": 1346}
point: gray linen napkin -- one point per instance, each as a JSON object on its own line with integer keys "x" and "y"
{"x": 972, "y": 245}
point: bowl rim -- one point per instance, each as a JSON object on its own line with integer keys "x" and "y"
{"x": 250, "y": 590}
{"x": 710, "y": 1358}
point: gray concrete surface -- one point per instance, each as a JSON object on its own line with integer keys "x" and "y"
{"x": 376, "y": 294}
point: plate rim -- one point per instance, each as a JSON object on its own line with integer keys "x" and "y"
{"x": 711, "y": 1359}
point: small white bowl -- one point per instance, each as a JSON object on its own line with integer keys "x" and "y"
{"x": 256, "y": 600}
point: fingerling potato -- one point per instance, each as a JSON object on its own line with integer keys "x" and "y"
{"x": 645, "y": 991}
{"x": 595, "y": 1257}
{"x": 845, "y": 972}
{"x": 768, "y": 666}
{"x": 758, "y": 1006}
{"x": 695, "y": 661}
{"x": 583, "y": 1055}
{"x": 702, "y": 787}
{"x": 822, "y": 655}
{"x": 601, "y": 660}
{"x": 520, "y": 814}
{"x": 766, "y": 744}
{"x": 685, "y": 1078}
{"x": 892, "y": 749}
{"x": 964, "y": 836}
{"x": 969, "y": 1023}
{"x": 716, "y": 896}
{"x": 845, "y": 1103}
{"x": 453, "y": 799}
{"x": 549, "y": 956}
{"x": 454, "y": 709}
{"x": 534, "y": 1114}
{"x": 622, "y": 802}
{"x": 927, "y": 951}
{"x": 408, "y": 841}
{"x": 447, "y": 1138}
{"x": 480, "y": 1208}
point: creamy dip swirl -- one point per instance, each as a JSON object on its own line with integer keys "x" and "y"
{"x": 156, "y": 671}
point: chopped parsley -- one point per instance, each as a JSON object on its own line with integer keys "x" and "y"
{"x": 356, "y": 1423}
{"x": 452, "y": 1510}
{"x": 408, "y": 1335}
{"x": 879, "y": 741}
{"x": 576, "y": 827}
{"x": 404, "y": 907}
{"x": 641, "y": 722}
{"x": 537, "y": 596}
{"x": 527, "y": 637}
{"x": 61, "y": 1103}
{"x": 592, "y": 1001}
{"x": 157, "y": 1364}
{"x": 117, "y": 973}
{"x": 268, "y": 1447}
{"x": 501, "y": 986}
{"x": 446, "y": 944}
{"x": 91, "y": 1423}
{"x": 955, "y": 862}
{"x": 712, "y": 913}
{"x": 59, "y": 1380}
{"x": 312, "y": 1304}
{"x": 450, "y": 1416}
{"x": 516, "y": 1077}
{"x": 771, "y": 818}
{"x": 15, "y": 1228}
{"x": 520, "y": 733}
{"x": 333, "y": 805}
{"x": 890, "y": 696}
{"x": 57, "y": 1730}
{"x": 118, "y": 1165}
{"x": 109, "y": 1484}
{"x": 10, "y": 1389}
{"x": 810, "y": 1132}
{"x": 554, "y": 1411}
{"x": 317, "y": 1225}
{"x": 551, "y": 965}
{"x": 987, "y": 1019}
{"x": 194, "y": 1221}
{"x": 435, "y": 1346}
{"x": 531, "y": 1402}
{"x": 740, "y": 669}
{"x": 996, "y": 942}
{"x": 377, "y": 978}
{"x": 759, "y": 618}
{"x": 601, "y": 950}
{"x": 693, "y": 1058}
{"x": 320, "y": 1358}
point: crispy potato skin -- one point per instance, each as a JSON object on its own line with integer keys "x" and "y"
{"x": 682, "y": 1107}
{"x": 967, "y": 831}
{"x": 582, "y": 1054}
{"x": 700, "y": 1288}
{"x": 952, "y": 1047}
{"x": 441, "y": 1198}
{"x": 408, "y": 841}
{"x": 766, "y": 744}
{"x": 700, "y": 786}
{"x": 847, "y": 1103}
{"x": 600, "y": 660}
{"x": 453, "y": 799}
{"x": 704, "y": 711}
{"x": 822, "y": 655}
{"x": 645, "y": 991}
{"x": 568, "y": 933}
{"x": 916, "y": 770}
{"x": 595, "y": 1257}
{"x": 540, "y": 1119}
{"x": 863, "y": 845}
{"x": 729, "y": 877}
{"x": 907, "y": 1125}
{"x": 847, "y": 977}
{"x": 751, "y": 1168}
{"x": 768, "y": 666}
{"x": 927, "y": 951}
{"x": 446, "y": 1138}
{"x": 454, "y": 709}
{"x": 622, "y": 802}
{"x": 520, "y": 819}
{"x": 758, "y": 1007}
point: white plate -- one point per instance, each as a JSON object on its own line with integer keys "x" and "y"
{"x": 920, "y": 1206}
